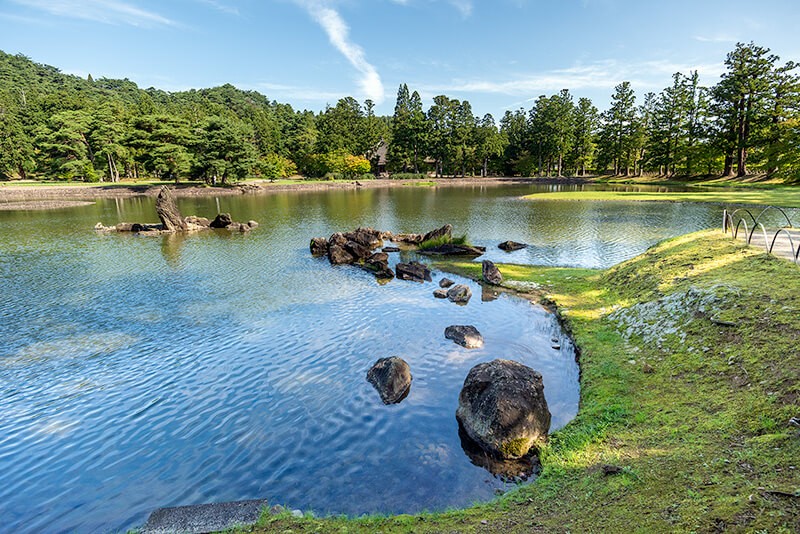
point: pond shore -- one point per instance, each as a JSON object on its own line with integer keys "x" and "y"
{"x": 689, "y": 401}
{"x": 11, "y": 192}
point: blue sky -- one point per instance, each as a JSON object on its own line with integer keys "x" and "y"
{"x": 498, "y": 54}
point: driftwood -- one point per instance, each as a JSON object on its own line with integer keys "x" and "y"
{"x": 168, "y": 212}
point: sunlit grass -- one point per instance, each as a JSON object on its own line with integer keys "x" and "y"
{"x": 783, "y": 196}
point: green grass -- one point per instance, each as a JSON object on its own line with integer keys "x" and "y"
{"x": 779, "y": 196}
{"x": 698, "y": 424}
{"x": 443, "y": 240}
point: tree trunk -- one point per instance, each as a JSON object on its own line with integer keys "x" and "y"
{"x": 560, "y": 162}
{"x": 728, "y": 169}
{"x": 741, "y": 138}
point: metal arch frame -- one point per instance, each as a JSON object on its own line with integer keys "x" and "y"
{"x": 728, "y": 219}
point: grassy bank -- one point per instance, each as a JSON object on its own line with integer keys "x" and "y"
{"x": 690, "y": 357}
{"x": 776, "y": 196}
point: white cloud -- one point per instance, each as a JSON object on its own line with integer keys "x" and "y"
{"x": 650, "y": 75}
{"x": 715, "y": 38}
{"x": 277, "y": 91}
{"x": 463, "y": 6}
{"x": 339, "y": 36}
{"x": 105, "y": 11}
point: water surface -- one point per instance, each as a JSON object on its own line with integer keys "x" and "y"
{"x": 138, "y": 372}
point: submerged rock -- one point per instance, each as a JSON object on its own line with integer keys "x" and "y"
{"x": 391, "y": 377}
{"x": 414, "y": 271}
{"x": 510, "y": 246}
{"x": 502, "y": 408}
{"x": 491, "y": 274}
{"x": 465, "y": 335}
{"x": 459, "y": 293}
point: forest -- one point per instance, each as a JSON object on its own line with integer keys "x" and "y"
{"x": 55, "y": 126}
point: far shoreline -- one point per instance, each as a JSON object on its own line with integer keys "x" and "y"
{"x": 10, "y": 192}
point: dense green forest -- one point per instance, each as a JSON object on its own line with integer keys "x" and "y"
{"x": 58, "y": 126}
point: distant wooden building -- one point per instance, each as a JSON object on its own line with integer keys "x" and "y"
{"x": 377, "y": 158}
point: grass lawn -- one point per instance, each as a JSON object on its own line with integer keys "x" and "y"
{"x": 690, "y": 358}
{"x": 787, "y": 197}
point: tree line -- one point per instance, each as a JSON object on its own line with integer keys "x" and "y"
{"x": 58, "y": 126}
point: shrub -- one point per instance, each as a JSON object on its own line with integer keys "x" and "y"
{"x": 443, "y": 240}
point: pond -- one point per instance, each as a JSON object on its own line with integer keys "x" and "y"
{"x": 139, "y": 372}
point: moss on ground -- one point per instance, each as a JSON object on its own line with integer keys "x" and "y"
{"x": 698, "y": 421}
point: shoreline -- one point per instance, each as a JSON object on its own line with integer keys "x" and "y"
{"x": 11, "y": 193}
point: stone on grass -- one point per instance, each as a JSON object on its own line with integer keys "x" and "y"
{"x": 491, "y": 274}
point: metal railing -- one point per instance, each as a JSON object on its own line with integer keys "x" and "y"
{"x": 738, "y": 219}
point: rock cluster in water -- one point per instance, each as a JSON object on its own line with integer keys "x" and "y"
{"x": 502, "y": 409}
{"x": 172, "y": 221}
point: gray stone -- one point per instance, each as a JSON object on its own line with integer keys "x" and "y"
{"x": 440, "y": 293}
{"x": 413, "y": 271}
{"x": 510, "y": 246}
{"x": 491, "y": 274}
{"x": 459, "y": 293}
{"x": 465, "y": 335}
{"x": 204, "y": 517}
{"x": 391, "y": 249}
{"x": 444, "y": 231}
{"x": 502, "y": 408}
{"x": 391, "y": 377}
{"x": 445, "y": 282}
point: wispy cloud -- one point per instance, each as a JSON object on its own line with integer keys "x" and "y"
{"x": 221, "y": 6}
{"x": 339, "y": 35}
{"x": 715, "y": 38}
{"x": 463, "y": 6}
{"x": 649, "y": 75}
{"x": 105, "y": 11}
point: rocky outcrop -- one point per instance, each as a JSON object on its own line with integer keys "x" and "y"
{"x": 491, "y": 274}
{"x": 465, "y": 335}
{"x": 378, "y": 263}
{"x": 444, "y": 231}
{"x": 510, "y": 246}
{"x": 413, "y": 271}
{"x": 172, "y": 221}
{"x": 168, "y": 212}
{"x": 391, "y": 377}
{"x": 459, "y": 293}
{"x": 502, "y": 408}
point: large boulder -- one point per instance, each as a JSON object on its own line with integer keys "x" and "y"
{"x": 465, "y": 335}
{"x": 491, "y": 274}
{"x": 510, "y": 246}
{"x": 337, "y": 238}
{"x": 391, "y": 377}
{"x": 413, "y": 271}
{"x": 459, "y": 293}
{"x": 167, "y": 210}
{"x": 502, "y": 408}
{"x": 223, "y": 220}
{"x": 338, "y": 255}
{"x": 319, "y": 246}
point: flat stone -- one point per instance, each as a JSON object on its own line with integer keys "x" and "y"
{"x": 465, "y": 335}
{"x": 201, "y": 518}
{"x": 445, "y": 282}
{"x": 440, "y": 293}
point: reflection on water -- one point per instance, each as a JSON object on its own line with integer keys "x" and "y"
{"x": 138, "y": 372}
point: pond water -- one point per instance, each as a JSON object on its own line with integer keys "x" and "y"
{"x": 139, "y": 372}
